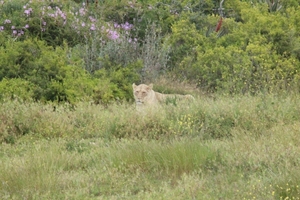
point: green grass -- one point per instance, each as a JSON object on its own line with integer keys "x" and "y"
{"x": 172, "y": 159}
{"x": 240, "y": 147}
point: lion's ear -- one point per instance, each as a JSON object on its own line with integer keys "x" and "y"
{"x": 150, "y": 86}
{"x": 133, "y": 85}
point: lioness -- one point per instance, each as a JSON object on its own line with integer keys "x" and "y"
{"x": 144, "y": 95}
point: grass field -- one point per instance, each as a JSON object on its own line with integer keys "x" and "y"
{"x": 240, "y": 147}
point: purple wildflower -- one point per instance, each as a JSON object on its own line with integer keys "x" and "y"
{"x": 14, "y": 32}
{"x": 26, "y": 26}
{"x": 126, "y": 26}
{"x": 7, "y": 21}
{"x": 20, "y": 33}
{"x": 116, "y": 25}
{"x": 1, "y": 28}
{"x": 63, "y": 15}
{"x": 28, "y": 11}
{"x": 93, "y": 27}
{"x": 113, "y": 34}
{"x": 82, "y": 11}
{"x": 92, "y": 19}
{"x": 58, "y": 9}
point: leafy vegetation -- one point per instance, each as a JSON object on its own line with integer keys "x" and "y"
{"x": 68, "y": 129}
{"x": 255, "y": 47}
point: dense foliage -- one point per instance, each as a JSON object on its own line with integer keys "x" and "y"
{"x": 74, "y": 50}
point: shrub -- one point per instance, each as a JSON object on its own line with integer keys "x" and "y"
{"x": 44, "y": 70}
{"x": 16, "y": 89}
{"x": 47, "y": 21}
{"x": 254, "y": 51}
{"x": 251, "y": 57}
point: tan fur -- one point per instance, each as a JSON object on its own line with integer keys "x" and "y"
{"x": 145, "y": 96}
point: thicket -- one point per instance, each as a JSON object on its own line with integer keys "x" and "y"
{"x": 75, "y": 50}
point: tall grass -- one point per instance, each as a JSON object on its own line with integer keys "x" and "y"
{"x": 174, "y": 158}
{"x": 240, "y": 147}
{"x": 206, "y": 118}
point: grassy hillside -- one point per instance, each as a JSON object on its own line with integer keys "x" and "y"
{"x": 240, "y": 147}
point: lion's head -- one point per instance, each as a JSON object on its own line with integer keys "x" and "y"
{"x": 143, "y": 94}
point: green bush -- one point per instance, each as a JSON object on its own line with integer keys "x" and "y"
{"x": 49, "y": 21}
{"x": 256, "y": 49}
{"x": 44, "y": 70}
{"x": 260, "y": 54}
{"x": 53, "y": 78}
{"x": 16, "y": 89}
{"x": 33, "y": 61}
{"x": 114, "y": 82}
